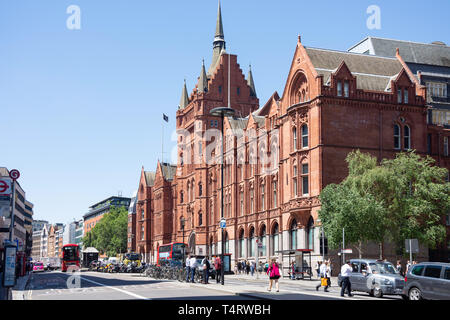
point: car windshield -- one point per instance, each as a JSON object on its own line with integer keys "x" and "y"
{"x": 382, "y": 268}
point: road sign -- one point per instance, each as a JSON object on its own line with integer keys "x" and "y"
{"x": 414, "y": 245}
{"x": 14, "y": 174}
{"x": 223, "y": 223}
{"x": 5, "y": 187}
{"x": 347, "y": 251}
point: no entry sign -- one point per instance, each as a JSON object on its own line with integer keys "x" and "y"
{"x": 5, "y": 187}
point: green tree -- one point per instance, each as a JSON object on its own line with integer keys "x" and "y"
{"x": 109, "y": 235}
{"x": 405, "y": 197}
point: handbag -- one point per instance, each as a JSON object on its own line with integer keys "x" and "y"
{"x": 323, "y": 282}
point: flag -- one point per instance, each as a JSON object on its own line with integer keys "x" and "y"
{"x": 166, "y": 118}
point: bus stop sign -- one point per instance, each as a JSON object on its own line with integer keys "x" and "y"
{"x": 223, "y": 224}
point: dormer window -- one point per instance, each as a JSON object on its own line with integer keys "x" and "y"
{"x": 405, "y": 96}
{"x": 339, "y": 88}
{"x": 346, "y": 89}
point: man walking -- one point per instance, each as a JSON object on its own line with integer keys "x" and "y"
{"x": 218, "y": 268}
{"x": 323, "y": 270}
{"x": 193, "y": 265}
{"x": 205, "y": 267}
{"x": 346, "y": 271}
{"x": 188, "y": 267}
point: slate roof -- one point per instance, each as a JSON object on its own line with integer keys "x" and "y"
{"x": 168, "y": 170}
{"x": 371, "y": 72}
{"x": 415, "y": 52}
{"x": 149, "y": 178}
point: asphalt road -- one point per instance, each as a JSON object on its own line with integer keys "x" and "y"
{"x": 57, "y": 285}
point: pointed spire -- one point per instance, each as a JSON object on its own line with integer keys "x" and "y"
{"x": 184, "y": 101}
{"x": 219, "y": 25}
{"x": 250, "y": 82}
{"x": 203, "y": 80}
{"x": 219, "y": 41}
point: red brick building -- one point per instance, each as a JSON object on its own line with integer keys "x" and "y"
{"x": 333, "y": 103}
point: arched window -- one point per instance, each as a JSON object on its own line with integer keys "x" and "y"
{"x": 262, "y": 239}
{"x": 181, "y": 196}
{"x": 200, "y": 189}
{"x": 293, "y": 235}
{"x": 397, "y": 137}
{"x": 241, "y": 243}
{"x": 251, "y": 238}
{"x": 310, "y": 234}
{"x": 275, "y": 238}
{"x": 305, "y": 136}
{"x": 200, "y": 218}
{"x": 407, "y": 138}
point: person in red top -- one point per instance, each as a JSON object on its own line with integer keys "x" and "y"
{"x": 218, "y": 268}
{"x": 274, "y": 274}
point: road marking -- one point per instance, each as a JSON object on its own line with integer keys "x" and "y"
{"x": 117, "y": 289}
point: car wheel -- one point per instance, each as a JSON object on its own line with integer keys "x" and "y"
{"x": 415, "y": 294}
{"x": 377, "y": 292}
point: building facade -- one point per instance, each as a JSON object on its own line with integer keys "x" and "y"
{"x": 98, "y": 210}
{"x": 333, "y": 102}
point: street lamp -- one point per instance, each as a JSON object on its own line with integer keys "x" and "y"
{"x": 182, "y": 222}
{"x": 222, "y": 112}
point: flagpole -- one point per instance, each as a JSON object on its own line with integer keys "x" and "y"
{"x": 162, "y": 143}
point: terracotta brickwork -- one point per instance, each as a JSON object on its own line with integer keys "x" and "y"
{"x": 333, "y": 103}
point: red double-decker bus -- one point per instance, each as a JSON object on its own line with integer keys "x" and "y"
{"x": 171, "y": 252}
{"x": 70, "y": 256}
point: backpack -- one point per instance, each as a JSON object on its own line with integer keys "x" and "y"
{"x": 207, "y": 264}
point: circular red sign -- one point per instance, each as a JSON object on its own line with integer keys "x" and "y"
{"x": 14, "y": 174}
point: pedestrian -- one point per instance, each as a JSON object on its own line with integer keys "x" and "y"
{"x": 408, "y": 265}
{"x": 266, "y": 267}
{"x": 252, "y": 268}
{"x": 239, "y": 267}
{"x": 218, "y": 268}
{"x": 323, "y": 276}
{"x": 193, "y": 264}
{"x": 399, "y": 268}
{"x": 319, "y": 263}
{"x": 235, "y": 268}
{"x": 346, "y": 271}
{"x": 247, "y": 267}
{"x": 274, "y": 274}
{"x": 205, "y": 267}
{"x": 188, "y": 267}
{"x": 260, "y": 267}
{"x": 293, "y": 268}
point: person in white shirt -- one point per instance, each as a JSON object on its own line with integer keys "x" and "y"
{"x": 188, "y": 268}
{"x": 323, "y": 274}
{"x": 346, "y": 271}
{"x": 193, "y": 264}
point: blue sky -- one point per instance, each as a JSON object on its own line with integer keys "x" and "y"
{"x": 81, "y": 110}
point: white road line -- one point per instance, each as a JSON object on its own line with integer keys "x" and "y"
{"x": 117, "y": 289}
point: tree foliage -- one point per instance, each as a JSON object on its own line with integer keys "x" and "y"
{"x": 401, "y": 198}
{"x": 109, "y": 235}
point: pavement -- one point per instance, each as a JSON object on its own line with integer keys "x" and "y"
{"x": 257, "y": 287}
{"x": 18, "y": 292}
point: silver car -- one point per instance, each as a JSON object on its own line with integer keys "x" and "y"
{"x": 428, "y": 280}
{"x": 376, "y": 277}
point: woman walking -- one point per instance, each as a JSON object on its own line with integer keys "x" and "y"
{"x": 274, "y": 274}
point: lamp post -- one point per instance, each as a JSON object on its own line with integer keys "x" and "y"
{"x": 182, "y": 222}
{"x": 222, "y": 112}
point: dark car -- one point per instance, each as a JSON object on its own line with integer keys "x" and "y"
{"x": 428, "y": 280}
